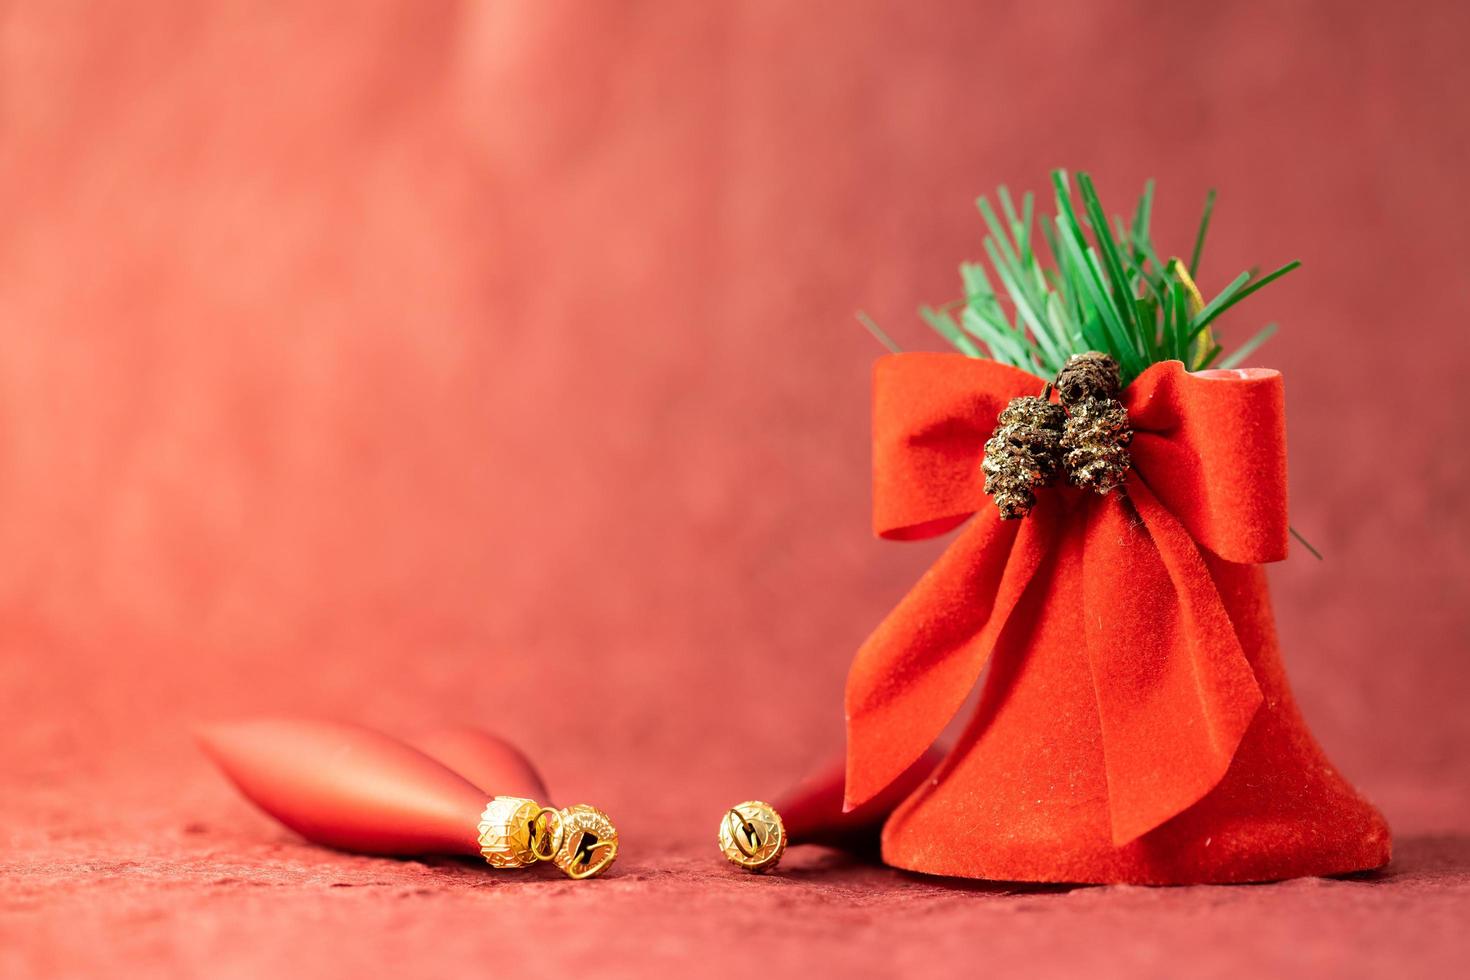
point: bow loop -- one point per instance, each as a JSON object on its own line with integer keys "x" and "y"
{"x": 931, "y": 416}
{"x": 1212, "y": 447}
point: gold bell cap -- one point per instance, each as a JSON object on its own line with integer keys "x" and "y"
{"x": 507, "y": 832}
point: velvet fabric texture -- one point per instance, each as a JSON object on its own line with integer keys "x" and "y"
{"x": 1137, "y": 725}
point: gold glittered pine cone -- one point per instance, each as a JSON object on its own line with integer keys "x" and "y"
{"x": 1095, "y": 439}
{"x": 1088, "y": 376}
{"x": 1023, "y": 454}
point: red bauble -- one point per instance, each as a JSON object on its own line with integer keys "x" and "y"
{"x": 489, "y": 761}
{"x": 352, "y": 788}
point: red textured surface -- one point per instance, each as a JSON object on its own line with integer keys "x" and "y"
{"x": 428, "y": 363}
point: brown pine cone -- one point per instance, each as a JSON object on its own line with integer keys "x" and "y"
{"x": 1023, "y": 454}
{"x": 1095, "y": 439}
{"x": 1090, "y": 375}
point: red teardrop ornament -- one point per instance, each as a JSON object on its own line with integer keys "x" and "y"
{"x": 489, "y": 761}
{"x": 349, "y": 787}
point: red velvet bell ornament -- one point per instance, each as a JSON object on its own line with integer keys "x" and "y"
{"x": 1136, "y": 725}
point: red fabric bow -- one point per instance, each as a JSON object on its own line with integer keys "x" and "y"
{"x": 1175, "y": 692}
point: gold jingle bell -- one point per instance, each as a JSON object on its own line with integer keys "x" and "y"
{"x": 589, "y": 842}
{"x": 515, "y": 832}
{"x": 752, "y": 836}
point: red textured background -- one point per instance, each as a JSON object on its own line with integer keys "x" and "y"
{"x": 495, "y": 362}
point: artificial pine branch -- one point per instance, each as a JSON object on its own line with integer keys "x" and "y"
{"x": 1107, "y": 291}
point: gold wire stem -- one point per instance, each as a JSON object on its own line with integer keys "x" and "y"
{"x": 1196, "y": 303}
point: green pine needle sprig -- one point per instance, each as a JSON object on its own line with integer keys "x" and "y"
{"x": 1105, "y": 288}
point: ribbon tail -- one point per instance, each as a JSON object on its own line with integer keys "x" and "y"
{"x": 1175, "y": 692}
{"x": 915, "y": 671}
